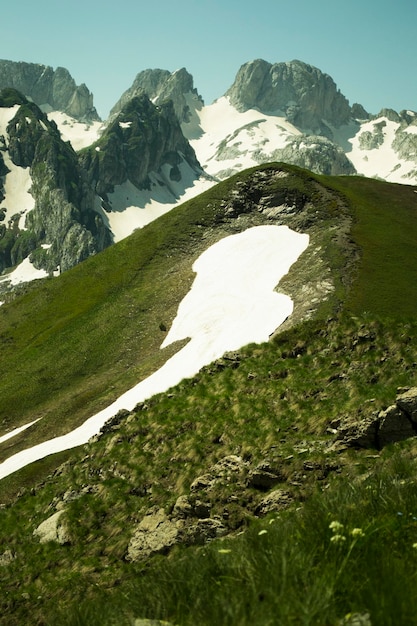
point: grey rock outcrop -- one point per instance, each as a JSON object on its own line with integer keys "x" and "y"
{"x": 6, "y": 558}
{"x": 157, "y": 533}
{"x": 302, "y": 92}
{"x": 396, "y": 423}
{"x": 161, "y": 85}
{"x": 52, "y": 529}
{"x": 47, "y": 87}
{"x": 314, "y": 153}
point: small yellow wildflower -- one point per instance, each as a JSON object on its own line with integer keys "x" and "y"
{"x": 335, "y": 526}
{"x": 357, "y": 532}
{"x": 338, "y": 539}
{"x": 262, "y": 532}
{"x": 415, "y": 546}
{"x": 224, "y": 551}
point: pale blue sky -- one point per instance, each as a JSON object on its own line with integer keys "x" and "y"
{"x": 368, "y": 47}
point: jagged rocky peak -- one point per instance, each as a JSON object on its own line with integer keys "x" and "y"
{"x": 54, "y": 222}
{"x": 138, "y": 141}
{"x": 304, "y": 94}
{"x": 160, "y": 85}
{"x": 48, "y": 88}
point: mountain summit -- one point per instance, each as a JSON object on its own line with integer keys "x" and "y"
{"x": 160, "y": 85}
{"x": 302, "y": 92}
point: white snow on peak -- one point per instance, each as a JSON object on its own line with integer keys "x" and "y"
{"x": 221, "y": 124}
{"x": 232, "y": 302}
{"x": 79, "y": 134}
{"x": 383, "y": 161}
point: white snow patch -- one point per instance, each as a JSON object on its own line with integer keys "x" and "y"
{"x": 16, "y": 190}
{"x": 125, "y": 124}
{"x": 79, "y": 134}
{"x": 232, "y": 302}
{"x": 7, "y": 114}
{"x": 24, "y": 273}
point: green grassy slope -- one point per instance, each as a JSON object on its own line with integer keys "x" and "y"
{"x": 276, "y": 404}
{"x": 385, "y": 230}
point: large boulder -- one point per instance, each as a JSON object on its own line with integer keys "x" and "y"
{"x": 396, "y": 423}
{"x": 53, "y": 529}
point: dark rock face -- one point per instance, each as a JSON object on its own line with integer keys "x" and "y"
{"x": 141, "y": 139}
{"x": 161, "y": 85}
{"x": 302, "y": 92}
{"x": 46, "y": 86}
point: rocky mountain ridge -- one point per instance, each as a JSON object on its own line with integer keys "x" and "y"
{"x": 49, "y": 88}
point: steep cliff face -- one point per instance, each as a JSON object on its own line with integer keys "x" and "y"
{"x": 54, "y": 222}
{"x": 160, "y": 85}
{"x": 49, "y": 88}
{"x": 302, "y": 92}
{"x": 140, "y": 140}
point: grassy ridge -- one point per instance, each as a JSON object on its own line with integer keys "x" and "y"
{"x": 385, "y": 230}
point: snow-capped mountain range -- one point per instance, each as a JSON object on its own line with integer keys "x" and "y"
{"x": 162, "y": 145}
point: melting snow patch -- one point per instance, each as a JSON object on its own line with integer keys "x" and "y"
{"x": 24, "y": 273}
{"x": 232, "y": 302}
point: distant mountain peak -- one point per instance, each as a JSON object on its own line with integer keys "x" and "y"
{"x": 48, "y": 88}
{"x": 302, "y": 92}
{"x": 160, "y": 85}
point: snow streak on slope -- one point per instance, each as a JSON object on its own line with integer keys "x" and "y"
{"x": 217, "y": 315}
{"x": 225, "y": 140}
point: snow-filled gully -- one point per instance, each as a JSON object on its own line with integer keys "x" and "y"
{"x": 231, "y": 303}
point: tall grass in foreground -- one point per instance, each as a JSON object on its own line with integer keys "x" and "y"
{"x": 349, "y": 549}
